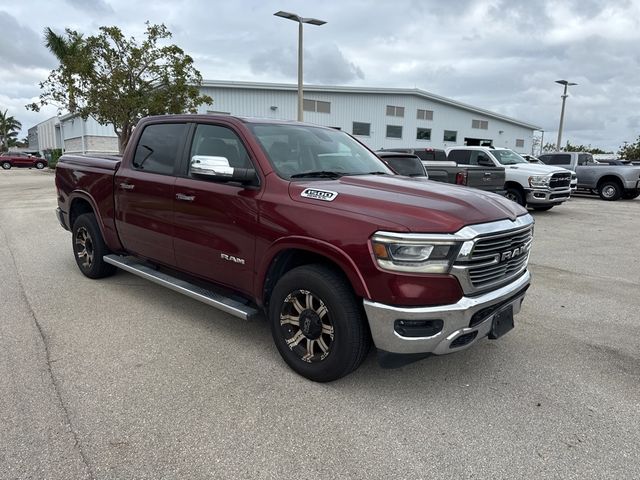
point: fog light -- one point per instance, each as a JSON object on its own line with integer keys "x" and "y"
{"x": 418, "y": 328}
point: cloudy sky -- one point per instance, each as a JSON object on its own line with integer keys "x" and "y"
{"x": 502, "y": 55}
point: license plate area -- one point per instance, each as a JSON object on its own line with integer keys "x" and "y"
{"x": 502, "y": 322}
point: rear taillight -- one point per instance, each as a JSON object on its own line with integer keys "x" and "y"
{"x": 461, "y": 178}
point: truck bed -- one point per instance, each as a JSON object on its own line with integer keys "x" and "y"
{"x": 490, "y": 179}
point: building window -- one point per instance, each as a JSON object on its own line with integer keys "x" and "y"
{"x": 423, "y": 134}
{"x": 362, "y": 129}
{"x": 481, "y": 124}
{"x": 425, "y": 114}
{"x": 316, "y": 106}
{"x": 450, "y": 136}
{"x": 394, "y": 131}
{"x": 519, "y": 143}
{"x": 395, "y": 111}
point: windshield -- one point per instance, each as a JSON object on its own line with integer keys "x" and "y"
{"x": 303, "y": 151}
{"x": 508, "y": 157}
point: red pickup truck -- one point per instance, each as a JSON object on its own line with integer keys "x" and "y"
{"x": 306, "y": 225}
{"x": 21, "y": 160}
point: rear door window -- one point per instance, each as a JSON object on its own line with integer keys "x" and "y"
{"x": 160, "y": 147}
{"x": 559, "y": 159}
{"x": 461, "y": 157}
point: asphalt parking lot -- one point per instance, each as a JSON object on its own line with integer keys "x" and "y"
{"x": 120, "y": 378}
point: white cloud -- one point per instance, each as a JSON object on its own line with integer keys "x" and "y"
{"x": 496, "y": 54}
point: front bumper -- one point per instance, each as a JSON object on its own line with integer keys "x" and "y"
{"x": 456, "y": 320}
{"x": 542, "y": 196}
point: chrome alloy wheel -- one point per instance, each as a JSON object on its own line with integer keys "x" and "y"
{"x": 511, "y": 197}
{"x": 84, "y": 247}
{"x": 306, "y": 326}
{"x": 608, "y": 191}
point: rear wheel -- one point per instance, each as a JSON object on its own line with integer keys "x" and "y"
{"x": 610, "y": 190}
{"x": 631, "y": 194}
{"x": 39, "y": 165}
{"x": 6, "y": 165}
{"x": 89, "y": 247}
{"x": 317, "y": 323}
{"x": 515, "y": 195}
{"x": 543, "y": 209}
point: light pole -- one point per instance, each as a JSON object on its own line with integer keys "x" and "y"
{"x": 564, "y": 99}
{"x": 300, "y": 20}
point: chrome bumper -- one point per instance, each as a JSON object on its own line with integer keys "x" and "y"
{"x": 456, "y": 318}
{"x": 547, "y": 197}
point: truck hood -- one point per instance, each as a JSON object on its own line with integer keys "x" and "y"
{"x": 419, "y": 205}
{"x": 535, "y": 168}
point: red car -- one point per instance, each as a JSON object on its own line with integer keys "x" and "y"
{"x": 23, "y": 160}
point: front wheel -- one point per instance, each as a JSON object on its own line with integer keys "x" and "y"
{"x": 631, "y": 194}
{"x": 89, "y": 247}
{"x": 515, "y": 195}
{"x": 610, "y": 191}
{"x": 317, "y": 323}
{"x": 6, "y": 165}
{"x": 39, "y": 165}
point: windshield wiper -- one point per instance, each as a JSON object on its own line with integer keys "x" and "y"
{"x": 318, "y": 174}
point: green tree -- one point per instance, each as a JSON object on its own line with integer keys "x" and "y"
{"x": 9, "y": 129}
{"x": 630, "y": 151}
{"x": 70, "y": 52}
{"x": 582, "y": 148}
{"x": 117, "y": 80}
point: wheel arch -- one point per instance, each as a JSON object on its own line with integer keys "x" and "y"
{"x": 515, "y": 185}
{"x": 610, "y": 178}
{"x": 81, "y": 203}
{"x": 290, "y": 253}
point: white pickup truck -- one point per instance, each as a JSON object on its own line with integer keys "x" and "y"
{"x": 540, "y": 187}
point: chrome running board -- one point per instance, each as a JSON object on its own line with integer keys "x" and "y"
{"x": 217, "y": 300}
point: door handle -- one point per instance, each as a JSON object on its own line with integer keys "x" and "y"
{"x": 127, "y": 186}
{"x": 185, "y": 198}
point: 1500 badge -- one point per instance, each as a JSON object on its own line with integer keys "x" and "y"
{"x": 324, "y": 195}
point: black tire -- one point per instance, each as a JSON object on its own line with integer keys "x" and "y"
{"x": 89, "y": 247}
{"x": 631, "y": 194}
{"x": 6, "y": 165}
{"x": 515, "y": 195}
{"x": 610, "y": 190}
{"x": 39, "y": 165}
{"x": 543, "y": 209}
{"x": 334, "y": 337}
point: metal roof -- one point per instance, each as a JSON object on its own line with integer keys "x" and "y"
{"x": 366, "y": 90}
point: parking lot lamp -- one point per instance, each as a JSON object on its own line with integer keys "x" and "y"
{"x": 564, "y": 99}
{"x": 300, "y": 20}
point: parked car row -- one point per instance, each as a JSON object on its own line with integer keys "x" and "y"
{"x": 610, "y": 181}
{"x": 498, "y": 170}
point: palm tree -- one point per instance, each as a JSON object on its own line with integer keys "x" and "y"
{"x": 9, "y": 129}
{"x": 68, "y": 51}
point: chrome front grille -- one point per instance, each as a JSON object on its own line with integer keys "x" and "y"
{"x": 560, "y": 180}
{"x": 494, "y": 259}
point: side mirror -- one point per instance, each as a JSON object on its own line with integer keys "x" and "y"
{"x": 485, "y": 162}
{"x": 218, "y": 168}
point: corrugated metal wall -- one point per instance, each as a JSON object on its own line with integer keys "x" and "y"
{"x": 347, "y": 108}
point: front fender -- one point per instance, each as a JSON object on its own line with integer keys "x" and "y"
{"x": 319, "y": 247}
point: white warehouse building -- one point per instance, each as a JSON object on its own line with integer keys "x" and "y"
{"x": 379, "y": 117}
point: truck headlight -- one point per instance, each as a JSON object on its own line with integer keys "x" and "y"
{"x": 413, "y": 253}
{"x": 539, "y": 180}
